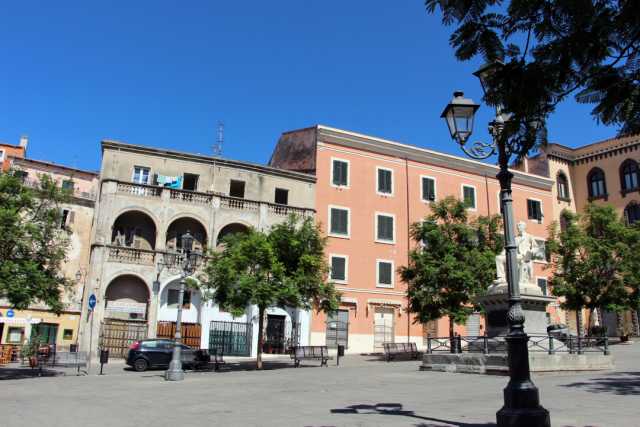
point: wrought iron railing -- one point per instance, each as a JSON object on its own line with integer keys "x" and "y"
{"x": 537, "y": 343}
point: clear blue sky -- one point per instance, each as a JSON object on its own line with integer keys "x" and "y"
{"x": 162, "y": 73}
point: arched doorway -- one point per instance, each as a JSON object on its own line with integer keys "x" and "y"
{"x": 230, "y": 229}
{"x": 191, "y": 314}
{"x": 126, "y": 309}
{"x": 134, "y": 229}
{"x": 179, "y": 227}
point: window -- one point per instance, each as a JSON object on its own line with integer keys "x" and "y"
{"x": 141, "y": 175}
{"x": 385, "y": 228}
{"x": 542, "y": 284}
{"x": 632, "y": 213}
{"x": 1, "y": 155}
{"x": 384, "y": 274}
{"x": 340, "y": 173}
{"x": 15, "y": 335}
{"x": 236, "y": 189}
{"x": 629, "y": 175}
{"x": 67, "y": 334}
{"x": 68, "y": 184}
{"x": 428, "y": 189}
{"x": 190, "y": 182}
{"x": 282, "y": 196}
{"x": 563, "y": 187}
{"x": 172, "y": 299}
{"x": 22, "y": 175}
{"x": 534, "y": 209}
{"x": 67, "y": 217}
{"x": 339, "y": 221}
{"x": 597, "y": 184}
{"x": 385, "y": 181}
{"x": 469, "y": 196}
{"x": 339, "y": 268}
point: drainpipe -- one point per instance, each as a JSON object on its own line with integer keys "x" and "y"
{"x": 406, "y": 178}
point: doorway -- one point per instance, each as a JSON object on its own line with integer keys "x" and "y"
{"x": 383, "y": 327}
{"x": 275, "y": 337}
{"x": 338, "y": 329}
{"x": 46, "y": 333}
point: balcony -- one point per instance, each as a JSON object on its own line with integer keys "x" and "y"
{"x": 199, "y": 198}
{"x": 125, "y": 255}
{"x": 75, "y": 192}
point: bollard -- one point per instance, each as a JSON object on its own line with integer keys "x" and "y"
{"x": 104, "y": 358}
{"x": 606, "y": 346}
{"x": 551, "y": 350}
{"x": 340, "y": 354}
{"x": 429, "y": 345}
{"x": 485, "y": 344}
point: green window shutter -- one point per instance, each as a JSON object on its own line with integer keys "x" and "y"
{"x": 338, "y": 268}
{"x": 339, "y": 221}
{"x": 384, "y": 273}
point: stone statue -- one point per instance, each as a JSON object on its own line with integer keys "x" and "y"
{"x": 120, "y": 238}
{"x": 526, "y": 249}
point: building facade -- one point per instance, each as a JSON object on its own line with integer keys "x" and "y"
{"x": 9, "y": 151}
{"x": 368, "y": 193}
{"x": 76, "y": 218}
{"x": 148, "y": 198}
{"x": 605, "y": 172}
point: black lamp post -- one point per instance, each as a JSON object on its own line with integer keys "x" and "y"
{"x": 521, "y": 399}
{"x": 187, "y": 260}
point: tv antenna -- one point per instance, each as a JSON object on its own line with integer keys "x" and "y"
{"x": 217, "y": 147}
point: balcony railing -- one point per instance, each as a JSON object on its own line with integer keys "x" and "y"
{"x": 199, "y": 198}
{"x": 127, "y": 255}
{"x": 75, "y": 192}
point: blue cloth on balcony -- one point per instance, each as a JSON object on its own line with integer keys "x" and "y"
{"x": 169, "y": 181}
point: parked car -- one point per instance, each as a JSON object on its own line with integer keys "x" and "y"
{"x": 156, "y": 353}
{"x": 558, "y": 331}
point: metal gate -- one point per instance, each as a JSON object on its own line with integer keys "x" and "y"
{"x": 275, "y": 341}
{"x": 383, "y": 328}
{"x": 118, "y": 335}
{"x": 190, "y": 332}
{"x": 338, "y": 329}
{"x": 230, "y": 338}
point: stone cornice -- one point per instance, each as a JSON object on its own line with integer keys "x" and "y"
{"x": 179, "y": 155}
{"x": 422, "y": 155}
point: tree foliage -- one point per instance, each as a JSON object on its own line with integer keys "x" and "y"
{"x": 551, "y": 50}
{"x": 33, "y": 245}
{"x": 453, "y": 262}
{"x": 284, "y": 267}
{"x": 596, "y": 259}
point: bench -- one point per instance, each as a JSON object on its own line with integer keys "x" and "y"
{"x": 310, "y": 352}
{"x": 205, "y": 359}
{"x": 392, "y": 349}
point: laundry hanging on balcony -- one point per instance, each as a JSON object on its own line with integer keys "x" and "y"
{"x": 174, "y": 182}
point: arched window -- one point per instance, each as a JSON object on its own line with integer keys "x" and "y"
{"x": 632, "y": 213}
{"x": 629, "y": 175}
{"x": 597, "y": 184}
{"x": 563, "y": 186}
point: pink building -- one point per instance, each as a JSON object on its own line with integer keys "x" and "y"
{"x": 368, "y": 192}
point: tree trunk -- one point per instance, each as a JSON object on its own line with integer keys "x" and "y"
{"x": 452, "y": 338}
{"x": 579, "y": 323}
{"x": 261, "y": 311}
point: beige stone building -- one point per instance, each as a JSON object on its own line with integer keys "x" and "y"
{"x": 603, "y": 172}
{"x": 148, "y": 198}
{"x": 76, "y": 217}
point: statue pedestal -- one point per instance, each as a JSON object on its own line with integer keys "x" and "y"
{"x": 534, "y": 305}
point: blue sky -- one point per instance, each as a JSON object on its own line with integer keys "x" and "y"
{"x": 163, "y": 73}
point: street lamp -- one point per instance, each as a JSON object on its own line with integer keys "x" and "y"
{"x": 187, "y": 260}
{"x": 521, "y": 398}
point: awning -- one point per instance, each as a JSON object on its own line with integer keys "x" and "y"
{"x": 348, "y": 300}
{"x": 380, "y": 301}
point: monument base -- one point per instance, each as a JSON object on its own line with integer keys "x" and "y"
{"x": 497, "y": 364}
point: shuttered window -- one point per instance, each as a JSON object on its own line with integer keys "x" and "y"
{"x": 469, "y": 196}
{"x": 385, "y": 273}
{"x": 428, "y": 189}
{"x": 338, "y": 268}
{"x": 340, "y": 173}
{"x": 534, "y": 209}
{"x": 339, "y": 221}
{"x": 384, "y": 230}
{"x": 385, "y": 181}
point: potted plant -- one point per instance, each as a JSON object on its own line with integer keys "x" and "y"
{"x": 30, "y": 351}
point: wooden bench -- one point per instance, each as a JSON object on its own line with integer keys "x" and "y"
{"x": 310, "y": 352}
{"x": 392, "y": 349}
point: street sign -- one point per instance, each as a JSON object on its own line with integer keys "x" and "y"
{"x": 92, "y": 301}
{"x": 10, "y": 313}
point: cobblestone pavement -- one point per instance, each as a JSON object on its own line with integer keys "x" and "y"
{"x": 362, "y": 391}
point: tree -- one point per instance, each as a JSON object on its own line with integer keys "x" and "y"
{"x": 33, "y": 245}
{"x": 453, "y": 262}
{"x": 596, "y": 261}
{"x": 551, "y": 50}
{"x": 284, "y": 267}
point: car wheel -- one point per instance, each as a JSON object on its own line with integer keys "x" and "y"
{"x": 140, "y": 365}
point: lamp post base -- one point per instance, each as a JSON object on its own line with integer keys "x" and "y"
{"x": 175, "y": 372}
{"x": 526, "y": 417}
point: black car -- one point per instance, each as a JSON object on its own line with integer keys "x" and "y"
{"x": 156, "y": 353}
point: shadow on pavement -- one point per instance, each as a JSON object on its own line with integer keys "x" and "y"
{"x": 621, "y": 383}
{"x": 396, "y": 409}
{"x": 19, "y": 373}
